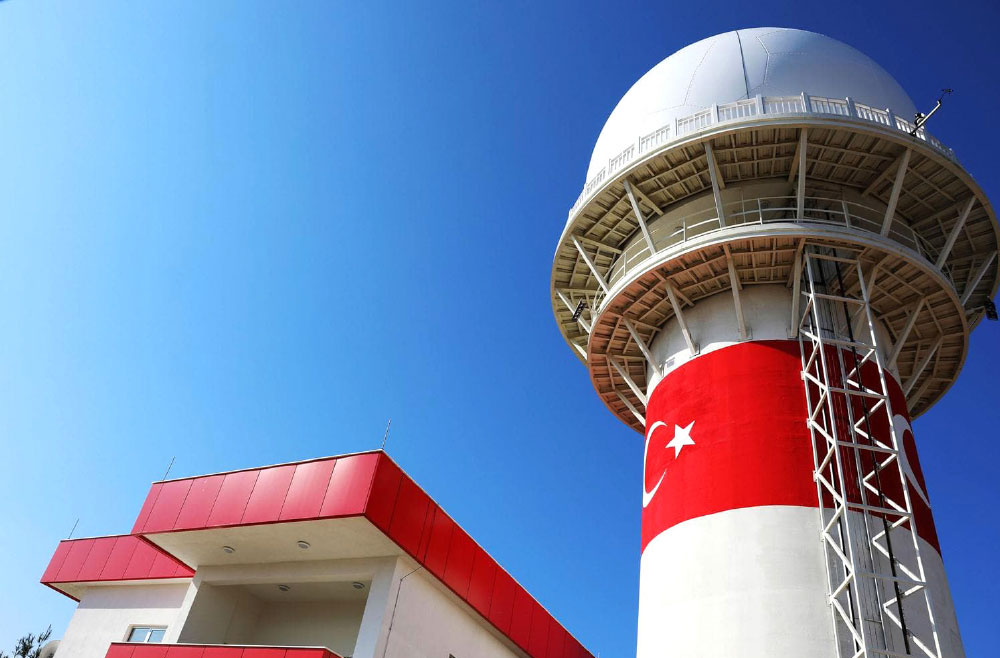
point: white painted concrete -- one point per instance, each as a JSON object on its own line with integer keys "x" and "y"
{"x": 106, "y": 614}
{"x": 767, "y": 310}
{"x": 429, "y": 622}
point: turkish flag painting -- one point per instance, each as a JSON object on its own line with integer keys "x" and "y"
{"x": 727, "y": 430}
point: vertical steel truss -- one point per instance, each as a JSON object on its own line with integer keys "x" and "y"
{"x": 878, "y": 591}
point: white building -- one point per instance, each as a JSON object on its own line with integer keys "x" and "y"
{"x": 344, "y": 556}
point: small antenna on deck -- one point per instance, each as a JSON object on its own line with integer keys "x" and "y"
{"x": 919, "y": 119}
{"x": 169, "y": 466}
{"x": 73, "y": 529}
{"x": 385, "y": 437}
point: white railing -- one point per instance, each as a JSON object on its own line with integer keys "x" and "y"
{"x": 740, "y": 111}
{"x": 817, "y": 210}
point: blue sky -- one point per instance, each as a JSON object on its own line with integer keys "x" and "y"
{"x": 241, "y": 233}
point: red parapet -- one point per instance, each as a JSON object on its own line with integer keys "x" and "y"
{"x": 136, "y": 650}
{"x": 115, "y": 558}
{"x": 368, "y": 485}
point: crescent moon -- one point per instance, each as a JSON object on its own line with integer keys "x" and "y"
{"x": 901, "y": 425}
{"x": 648, "y": 495}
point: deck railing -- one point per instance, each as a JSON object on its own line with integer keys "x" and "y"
{"x": 741, "y": 110}
{"x": 764, "y": 210}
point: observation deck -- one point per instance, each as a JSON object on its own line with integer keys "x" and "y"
{"x": 729, "y": 195}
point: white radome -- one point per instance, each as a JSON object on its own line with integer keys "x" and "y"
{"x": 765, "y": 61}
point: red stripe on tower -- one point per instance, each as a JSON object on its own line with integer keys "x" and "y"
{"x": 727, "y": 431}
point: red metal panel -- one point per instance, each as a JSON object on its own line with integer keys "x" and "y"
{"x": 222, "y": 652}
{"x": 114, "y": 567}
{"x": 461, "y": 553}
{"x": 539, "y": 636}
{"x": 186, "y": 652}
{"x": 96, "y": 559}
{"x": 78, "y": 552}
{"x": 305, "y": 494}
{"x": 142, "y": 560}
{"x": 520, "y": 620}
{"x": 268, "y": 494}
{"x": 481, "y": 583}
{"x": 502, "y": 603}
{"x": 349, "y": 486}
{"x": 168, "y": 506}
{"x": 382, "y": 499}
{"x": 436, "y": 558}
{"x": 232, "y": 498}
{"x": 151, "y": 651}
{"x": 58, "y": 558}
{"x": 408, "y": 518}
{"x": 164, "y": 566}
{"x": 264, "y": 652}
{"x": 557, "y": 638}
{"x": 120, "y": 651}
{"x": 147, "y": 507}
{"x": 199, "y": 502}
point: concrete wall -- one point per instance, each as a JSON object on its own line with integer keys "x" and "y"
{"x": 326, "y": 624}
{"x": 428, "y": 622}
{"x": 221, "y": 615}
{"x": 106, "y": 613}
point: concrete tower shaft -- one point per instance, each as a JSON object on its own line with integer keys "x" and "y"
{"x": 768, "y": 273}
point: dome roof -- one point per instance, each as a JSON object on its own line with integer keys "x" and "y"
{"x": 766, "y": 61}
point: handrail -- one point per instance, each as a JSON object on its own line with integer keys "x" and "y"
{"x": 763, "y": 210}
{"x": 740, "y": 111}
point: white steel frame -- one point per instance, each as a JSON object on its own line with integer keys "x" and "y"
{"x": 879, "y": 596}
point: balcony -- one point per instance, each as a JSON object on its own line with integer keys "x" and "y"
{"x": 132, "y": 650}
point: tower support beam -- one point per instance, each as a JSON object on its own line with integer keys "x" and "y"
{"x": 628, "y": 379}
{"x": 905, "y": 333}
{"x": 979, "y": 277}
{"x": 639, "y": 218}
{"x": 717, "y": 183}
{"x": 642, "y": 345}
{"x": 679, "y": 314}
{"x": 897, "y": 188}
{"x": 919, "y": 370}
{"x": 590, "y": 264}
{"x": 946, "y": 250}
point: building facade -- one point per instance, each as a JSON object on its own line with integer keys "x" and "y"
{"x": 343, "y": 556}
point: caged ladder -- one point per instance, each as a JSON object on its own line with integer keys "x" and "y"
{"x": 877, "y": 586}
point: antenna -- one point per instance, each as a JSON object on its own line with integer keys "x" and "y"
{"x": 169, "y": 466}
{"x": 385, "y": 437}
{"x": 919, "y": 119}
{"x": 73, "y": 529}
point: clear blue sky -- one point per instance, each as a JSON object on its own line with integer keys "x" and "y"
{"x": 241, "y": 233}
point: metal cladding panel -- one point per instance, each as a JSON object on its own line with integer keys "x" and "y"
{"x": 461, "y": 553}
{"x": 502, "y": 600}
{"x": 198, "y": 504}
{"x": 481, "y": 583}
{"x": 305, "y": 494}
{"x": 349, "y": 485}
{"x": 120, "y": 651}
{"x": 520, "y": 620}
{"x": 168, "y": 505}
{"x": 409, "y": 516}
{"x": 268, "y": 494}
{"x": 97, "y": 558}
{"x": 382, "y": 499}
{"x": 185, "y": 652}
{"x": 232, "y": 499}
{"x": 557, "y": 641}
{"x": 126, "y": 650}
{"x": 78, "y": 553}
{"x": 147, "y": 507}
{"x": 263, "y": 652}
{"x": 55, "y": 564}
{"x": 538, "y": 637}
{"x": 117, "y": 562}
{"x": 141, "y": 564}
{"x": 441, "y": 529}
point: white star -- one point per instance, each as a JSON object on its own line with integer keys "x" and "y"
{"x": 682, "y": 437}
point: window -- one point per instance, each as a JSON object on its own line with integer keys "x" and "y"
{"x": 146, "y": 634}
